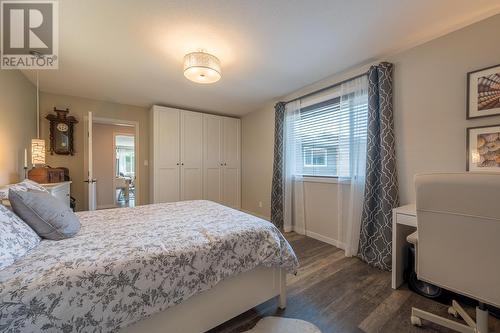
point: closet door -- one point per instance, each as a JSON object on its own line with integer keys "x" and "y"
{"x": 212, "y": 157}
{"x": 191, "y": 155}
{"x": 166, "y": 180}
{"x": 231, "y": 163}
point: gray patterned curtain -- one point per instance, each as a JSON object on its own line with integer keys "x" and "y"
{"x": 381, "y": 189}
{"x": 277, "y": 195}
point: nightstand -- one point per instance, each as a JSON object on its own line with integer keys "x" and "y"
{"x": 61, "y": 191}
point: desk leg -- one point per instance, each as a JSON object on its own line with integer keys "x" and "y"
{"x": 399, "y": 251}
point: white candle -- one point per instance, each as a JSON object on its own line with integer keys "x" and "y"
{"x": 25, "y": 158}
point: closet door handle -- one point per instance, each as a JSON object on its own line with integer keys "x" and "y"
{"x": 225, "y": 164}
{"x": 177, "y": 163}
{"x": 182, "y": 163}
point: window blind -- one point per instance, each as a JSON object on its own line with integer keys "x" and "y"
{"x": 324, "y": 135}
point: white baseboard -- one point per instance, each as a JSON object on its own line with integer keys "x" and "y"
{"x": 325, "y": 239}
{"x": 300, "y": 231}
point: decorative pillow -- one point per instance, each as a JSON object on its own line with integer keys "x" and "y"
{"x": 25, "y": 185}
{"x": 16, "y": 238}
{"x": 4, "y": 193}
{"x": 49, "y": 217}
{"x": 6, "y": 204}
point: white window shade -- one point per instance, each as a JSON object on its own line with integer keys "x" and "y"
{"x": 324, "y": 134}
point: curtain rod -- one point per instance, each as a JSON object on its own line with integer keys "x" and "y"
{"x": 326, "y": 88}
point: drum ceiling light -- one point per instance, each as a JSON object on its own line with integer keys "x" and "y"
{"x": 202, "y": 67}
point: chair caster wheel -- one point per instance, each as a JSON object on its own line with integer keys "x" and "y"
{"x": 453, "y": 312}
{"x": 415, "y": 321}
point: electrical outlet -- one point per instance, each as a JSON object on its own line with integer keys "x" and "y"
{"x": 260, "y": 204}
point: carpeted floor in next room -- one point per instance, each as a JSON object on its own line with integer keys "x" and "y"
{"x": 343, "y": 295}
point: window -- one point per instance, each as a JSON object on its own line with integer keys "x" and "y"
{"x": 315, "y": 157}
{"x": 324, "y": 135}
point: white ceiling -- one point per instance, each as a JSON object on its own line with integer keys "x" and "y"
{"x": 131, "y": 52}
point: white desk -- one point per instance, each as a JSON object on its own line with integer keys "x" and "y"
{"x": 404, "y": 222}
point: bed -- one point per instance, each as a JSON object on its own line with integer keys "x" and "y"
{"x": 176, "y": 267}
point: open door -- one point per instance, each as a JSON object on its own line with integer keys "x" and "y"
{"x": 91, "y": 182}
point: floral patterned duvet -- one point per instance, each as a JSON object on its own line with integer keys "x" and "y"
{"x": 127, "y": 264}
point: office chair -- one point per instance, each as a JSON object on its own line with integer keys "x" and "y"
{"x": 458, "y": 243}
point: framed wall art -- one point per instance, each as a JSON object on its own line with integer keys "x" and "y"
{"x": 483, "y": 149}
{"x": 483, "y": 92}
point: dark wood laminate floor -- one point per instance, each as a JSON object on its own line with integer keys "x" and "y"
{"x": 342, "y": 295}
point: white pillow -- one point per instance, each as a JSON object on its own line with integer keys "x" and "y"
{"x": 24, "y": 186}
{"x": 4, "y": 193}
{"x": 16, "y": 238}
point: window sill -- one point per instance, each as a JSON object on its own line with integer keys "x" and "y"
{"x": 326, "y": 180}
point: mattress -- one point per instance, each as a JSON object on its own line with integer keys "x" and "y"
{"x": 127, "y": 264}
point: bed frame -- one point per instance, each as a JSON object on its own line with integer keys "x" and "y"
{"x": 213, "y": 307}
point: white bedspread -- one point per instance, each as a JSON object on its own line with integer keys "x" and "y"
{"x": 126, "y": 264}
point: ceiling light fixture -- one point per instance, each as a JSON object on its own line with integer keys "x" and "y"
{"x": 202, "y": 67}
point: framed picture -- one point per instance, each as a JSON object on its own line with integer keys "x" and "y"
{"x": 483, "y": 148}
{"x": 483, "y": 92}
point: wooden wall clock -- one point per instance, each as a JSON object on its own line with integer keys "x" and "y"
{"x": 61, "y": 132}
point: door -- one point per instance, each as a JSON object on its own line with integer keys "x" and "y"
{"x": 231, "y": 162}
{"x": 91, "y": 182}
{"x": 167, "y": 153}
{"x": 191, "y": 155}
{"x": 212, "y": 157}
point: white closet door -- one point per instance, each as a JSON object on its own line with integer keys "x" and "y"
{"x": 232, "y": 162}
{"x": 212, "y": 159}
{"x": 191, "y": 155}
{"x": 167, "y": 150}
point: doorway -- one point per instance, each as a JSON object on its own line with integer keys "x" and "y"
{"x": 124, "y": 166}
{"x": 111, "y": 163}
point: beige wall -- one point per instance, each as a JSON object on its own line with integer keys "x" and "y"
{"x": 17, "y": 124}
{"x": 79, "y": 108}
{"x": 430, "y": 100}
{"x": 429, "y": 106}
{"x": 257, "y": 146}
{"x": 321, "y": 210}
{"x": 103, "y": 157}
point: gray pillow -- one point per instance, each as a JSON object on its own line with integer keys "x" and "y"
{"x": 49, "y": 217}
{"x": 16, "y": 238}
